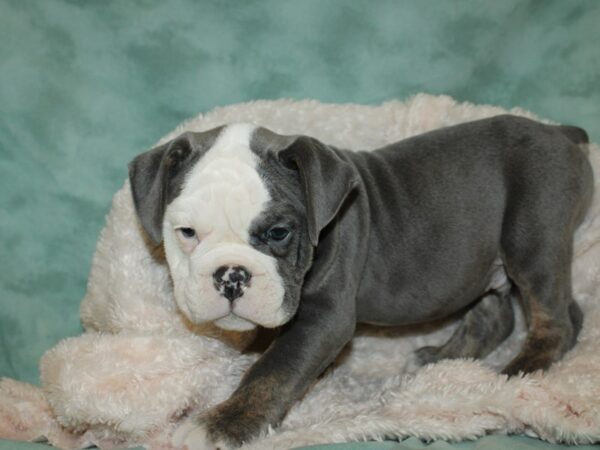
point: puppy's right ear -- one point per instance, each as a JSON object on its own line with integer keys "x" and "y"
{"x": 156, "y": 177}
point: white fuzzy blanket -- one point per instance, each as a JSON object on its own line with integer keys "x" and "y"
{"x": 140, "y": 367}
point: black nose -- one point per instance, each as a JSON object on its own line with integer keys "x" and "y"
{"x": 231, "y": 282}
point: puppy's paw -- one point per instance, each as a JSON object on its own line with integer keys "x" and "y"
{"x": 527, "y": 364}
{"x": 193, "y": 435}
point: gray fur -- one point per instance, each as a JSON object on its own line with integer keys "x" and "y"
{"x": 320, "y": 169}
{"x": 485, "y": 326}
{"x": 408, "y": 234}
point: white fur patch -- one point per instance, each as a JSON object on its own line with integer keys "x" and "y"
{"x": 220, "y": 198}
{"x": 192, "y": 436}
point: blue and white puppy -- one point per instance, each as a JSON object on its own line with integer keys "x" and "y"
{"x": 274, "y": 231}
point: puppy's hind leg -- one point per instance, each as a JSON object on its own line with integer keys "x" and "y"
{"x": 550, "y": 189}
{"x": 489, "y": 322}
{"x": 540, "y": 266}
{"x": 554, "y": 321}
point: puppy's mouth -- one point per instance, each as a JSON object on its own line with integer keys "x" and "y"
{"x": 232, "y": 301}
{"x": 220, "y": 310}
{"x": 234, "y": 322}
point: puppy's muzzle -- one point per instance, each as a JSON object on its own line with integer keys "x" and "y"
{"x": 231, "y": 282}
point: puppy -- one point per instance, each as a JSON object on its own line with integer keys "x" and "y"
{"x": 265, "y": 230}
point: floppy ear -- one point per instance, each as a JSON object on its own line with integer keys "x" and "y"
{"x": 156, "y": 177}
{"x": 327, "y": 180}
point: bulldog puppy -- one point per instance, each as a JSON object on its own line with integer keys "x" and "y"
{"x": 264, "y": 230}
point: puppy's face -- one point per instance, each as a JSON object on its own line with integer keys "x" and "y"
{"x": 235, "y": 217}
{"x": 234, "y": 228}
{"x": 233, "y": 237}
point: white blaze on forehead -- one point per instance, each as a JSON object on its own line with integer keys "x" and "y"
{"x": 221, "y": 196}
{"x": 223, "y": 192}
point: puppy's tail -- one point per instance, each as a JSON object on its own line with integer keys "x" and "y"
{"x": 575, "y": 134}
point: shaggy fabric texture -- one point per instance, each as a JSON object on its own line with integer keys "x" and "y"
{"x": 140, "y": 366}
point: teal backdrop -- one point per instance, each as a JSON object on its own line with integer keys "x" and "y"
{"x": 86, "y": 85}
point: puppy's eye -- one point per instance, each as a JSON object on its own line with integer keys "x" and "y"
{"x": 277, "y": 234}
{"x": 187, "y": 233}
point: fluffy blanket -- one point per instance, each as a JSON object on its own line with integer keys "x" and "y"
{"x": 140, "y": 367}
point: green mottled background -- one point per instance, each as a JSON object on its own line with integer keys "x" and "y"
{"x": 85, "y": 85}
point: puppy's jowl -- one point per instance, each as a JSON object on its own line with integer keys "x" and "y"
{"x": 266, "y": 230}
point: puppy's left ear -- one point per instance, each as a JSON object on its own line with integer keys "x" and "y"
{"x": 327, "y": 180}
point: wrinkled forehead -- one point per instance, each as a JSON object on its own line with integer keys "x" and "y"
{"x": 224, "y": 189}
{"x": 236, "y": 182}
{"x": 229, "y": 166}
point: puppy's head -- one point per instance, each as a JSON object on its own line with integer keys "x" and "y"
{"x": 239, "y": 210}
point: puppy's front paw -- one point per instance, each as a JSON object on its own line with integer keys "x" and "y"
{"x": 193, "y": 435}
